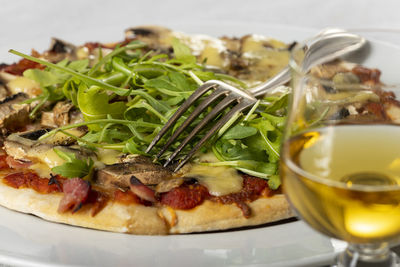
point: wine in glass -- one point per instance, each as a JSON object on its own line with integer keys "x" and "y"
{"x": 340, "y": 160}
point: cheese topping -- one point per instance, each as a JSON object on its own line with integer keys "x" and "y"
{"x": 206, "y": 47}
{"x": 50, "y": 158}
{"x": 24, "y": 85}
{"x": 218, "y": 180}
{"x": 47, "y": 159}
{"x": 108, "y": 156}
{"x": 213, "y": 57}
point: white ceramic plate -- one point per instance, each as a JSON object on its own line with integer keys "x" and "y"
{"x": 29, "y": 241}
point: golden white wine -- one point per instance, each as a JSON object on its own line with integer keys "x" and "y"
{"x": 345, "y": 181}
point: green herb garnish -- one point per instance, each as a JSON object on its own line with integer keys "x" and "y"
{"x": 73, "y": 167}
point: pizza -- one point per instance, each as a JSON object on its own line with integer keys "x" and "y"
{"x": 75, "y": 122}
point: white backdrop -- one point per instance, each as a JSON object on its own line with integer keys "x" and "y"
{"x": 29, "y": 23}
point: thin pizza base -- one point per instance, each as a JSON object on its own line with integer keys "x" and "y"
{"x": 139, "y": 219}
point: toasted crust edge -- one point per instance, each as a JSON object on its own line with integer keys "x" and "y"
{"x": 143, "y": 220}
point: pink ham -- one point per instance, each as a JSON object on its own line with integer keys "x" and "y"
{"x": 141, "y": 190}
{"x": 76, "y": 192}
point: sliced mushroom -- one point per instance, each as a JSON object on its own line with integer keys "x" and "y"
{"x": 47, "y": 119}
{"x": 60, "y": 50}
{"x": 329, "y": 70}
{"x": 154, "y": 36}
{"x": 13, "y": 114}
{"x": 41, "y": 154}
{"x": 118, "y": 175}
{"x": 3, "y": 91}
{"x": 63, "y": 113}
{"x": 26, "y": 145}
{"x": 6, "y": 77}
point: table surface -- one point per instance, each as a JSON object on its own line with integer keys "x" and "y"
{"x": 348, "y": 14}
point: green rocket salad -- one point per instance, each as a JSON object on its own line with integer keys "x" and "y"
{"x": 130, "y": 93}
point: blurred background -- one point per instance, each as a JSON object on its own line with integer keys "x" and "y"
{"x": 32, "y": 22}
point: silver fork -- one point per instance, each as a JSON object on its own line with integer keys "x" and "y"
{"x": 324, "y": 47}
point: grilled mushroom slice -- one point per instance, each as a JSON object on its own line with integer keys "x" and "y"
{"x": 154, "y": 36}
{"x": 119, "y": 175}
{"x": 13, "y": 114}
{"x": 25, "y": 147}
{"x": 60, "y": 50}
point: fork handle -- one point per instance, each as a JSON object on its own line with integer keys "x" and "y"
{"x": 279, "y": 79}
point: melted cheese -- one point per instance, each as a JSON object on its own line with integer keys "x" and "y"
{"x": 218, "y": 180}
{"x": 50, "y": 158}
{"x": 24, "y": 85}
{"x": 41, "y": 169}
{"x": 206, "y": 47}
{"x": 108, "y": 156}
{"x": 198, "y": 42}
{"x": 46, "y": 160}
{"x": 213, "y": 57}
{"x": 266, "y": 56}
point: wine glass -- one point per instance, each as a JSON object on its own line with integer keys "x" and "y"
{"x": 340, "y": 158}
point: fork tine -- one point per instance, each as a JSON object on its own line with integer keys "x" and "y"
{"x": 216, "y": 110}
{"x": 238, "y": 108}
{"x": 193, "y": 97}
{"x": 205, "y": 103}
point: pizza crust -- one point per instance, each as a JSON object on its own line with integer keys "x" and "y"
{"x": 213, "y": 216}
{"x": 115, "y": 217}
{"x": 139, "y": 219}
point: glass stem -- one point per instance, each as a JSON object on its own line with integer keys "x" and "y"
{"x": 368, "y": 255}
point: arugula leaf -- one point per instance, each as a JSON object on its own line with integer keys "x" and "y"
{"x": 165, "y": 86}
{"x": 73, "y": 167}
{"x": 133, "y": 148}
{"x": 118, "y": 50}
{"x": 174, "y": 84}
{"x": 230, "y": 150}
{"x": 182, "y": 52}
{"x": 276, "y": 121}
{"x": 239, "y": 132}
{"x": 79, "y": 65}
{"x": 94, "y": 104}
{"x": 70, "y": 90}
{"x": 253, "y": 145}
{"x": 44, "y": 78}
{"x": 87, "y": 79}
{"x": 274, "y": 182}
{"x": 205, "y": 75}
{"x": 267, "y": 131}
{"x": 52, "y": 76}
{"x": 181, "y": 81}
{"x": 263, "y": 168}
{"x": 278, "y": 102}
{"x": 111, "y": 135}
